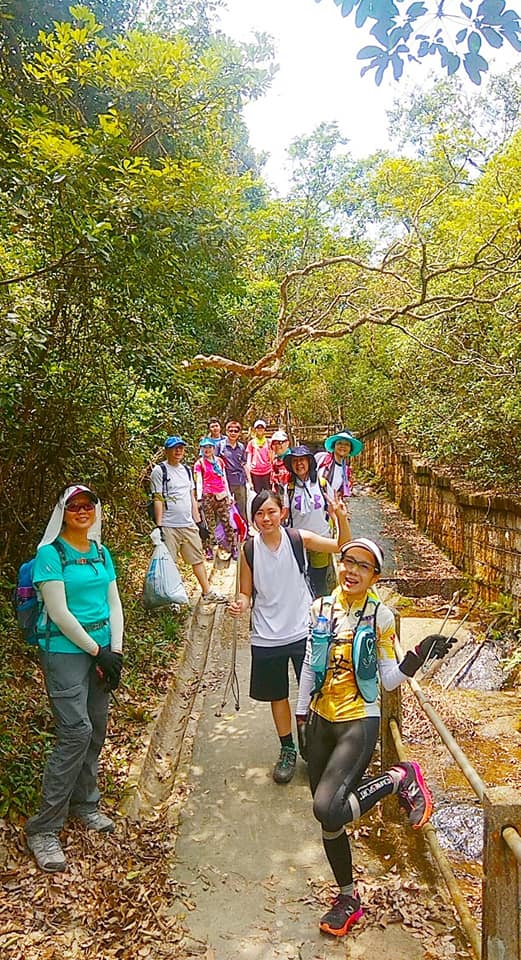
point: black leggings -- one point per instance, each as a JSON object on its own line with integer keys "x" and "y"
{"x": 338, "y": 757}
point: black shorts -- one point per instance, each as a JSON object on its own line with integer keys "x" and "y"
{"x": 269, "y": 679}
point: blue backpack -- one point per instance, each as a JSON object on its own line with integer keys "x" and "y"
{"x": 26, "y": 603}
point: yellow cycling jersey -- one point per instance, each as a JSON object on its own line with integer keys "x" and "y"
{"x": 339, "y": 699}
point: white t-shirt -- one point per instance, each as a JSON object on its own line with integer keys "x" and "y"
{"x": 280, "y": 612}
{"x": 177, "y": 511}
{"x": 308, "y": 511}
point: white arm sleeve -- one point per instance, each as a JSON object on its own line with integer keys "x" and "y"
{"x": 116, "y": 618}
{"x": 306, "y": 684}
{"x": 53, "y": 595}
{"x": 390, "y": 674}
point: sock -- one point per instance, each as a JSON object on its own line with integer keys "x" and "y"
{"x": 396, "y": 774}
{"x": 347, "y": 890}
{"x": 287, "y": 741}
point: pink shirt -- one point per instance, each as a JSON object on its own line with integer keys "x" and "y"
{"x": 258, "y": 458}
{"x": 212, "y": 482}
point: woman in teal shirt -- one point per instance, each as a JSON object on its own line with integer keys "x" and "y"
{"x": 80, "y": 632}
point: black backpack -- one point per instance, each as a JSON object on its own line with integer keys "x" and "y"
{"x": 299, "y": 553}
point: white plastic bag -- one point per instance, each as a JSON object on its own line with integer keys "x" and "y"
{"x": 163, "y": 584}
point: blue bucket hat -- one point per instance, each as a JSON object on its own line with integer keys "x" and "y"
{"x": 356, "y": 445}
{"x": 174, "y": 442}
{"x": 208, "y": 442}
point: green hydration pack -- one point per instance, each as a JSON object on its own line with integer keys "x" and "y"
{"x": 364, "y": 648}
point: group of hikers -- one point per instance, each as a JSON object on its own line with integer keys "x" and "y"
{"x": 340, "y": 641}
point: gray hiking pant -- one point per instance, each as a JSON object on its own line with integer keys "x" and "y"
{"x": 80, "y": 707}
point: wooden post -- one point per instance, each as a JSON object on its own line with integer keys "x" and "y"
{"x": 391, "y": 709}
{"x": 501, "y": 935}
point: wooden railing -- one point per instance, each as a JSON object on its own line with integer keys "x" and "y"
{"x": 501, "y": 927}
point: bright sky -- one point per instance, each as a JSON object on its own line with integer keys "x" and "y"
{"x": 318, "y": 79}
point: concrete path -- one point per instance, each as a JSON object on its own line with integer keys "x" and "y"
{"x": 248, "y": 854}
{"x": 249, "y": 866}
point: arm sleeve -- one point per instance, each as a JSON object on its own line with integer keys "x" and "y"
{"x": 306, "y": 684}
{"x": 116, "y": 618}
{"x": 391, "y": 675}
{"x": 53, "y": 595}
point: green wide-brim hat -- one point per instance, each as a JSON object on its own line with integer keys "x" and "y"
{"x": 356, "y": 445}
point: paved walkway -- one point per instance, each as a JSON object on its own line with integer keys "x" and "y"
{"x": 249, "y": 861}
{"x": 249, "y": 851}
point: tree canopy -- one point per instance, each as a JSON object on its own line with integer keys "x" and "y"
{"x": 148, "y": 278}
{"x": 456, "y": 33}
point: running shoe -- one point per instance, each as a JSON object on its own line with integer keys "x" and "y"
{"x": 47, "y": 851}
{"x": 285, "y": 766}
{"x": 97, "y": 821}
{"x": 214, "y": 597}
{"x": 413, "y": 795}
{"x": 345, "y": 911}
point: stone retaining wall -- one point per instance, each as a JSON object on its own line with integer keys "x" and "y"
{"x": 480, "y": 532}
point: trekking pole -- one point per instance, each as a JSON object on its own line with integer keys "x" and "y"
{"x": 232, "y": 681}
{"x": 467, "y": 615}
{"x": 428, "y": 659}
{"x": 450, "y": 608}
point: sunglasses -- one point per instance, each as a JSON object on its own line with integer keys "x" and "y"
{"x": 78, "y": 507}
{"x": 233, "y": 430}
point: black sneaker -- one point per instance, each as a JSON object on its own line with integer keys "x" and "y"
{"x": 345, "y": 911}
{"x": 285, "y": 766}
{"x": 414, "y": 796}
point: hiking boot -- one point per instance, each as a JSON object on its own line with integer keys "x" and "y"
{"x": 413, "y": 795}
{"x": 208, "y": 553}
{"x": 285, "y": 766}
{"x": 95, "y": 820}
{"x": 345, "y": 911}
{"x": 47, "y": 852}
{"x": 213, "y": 597}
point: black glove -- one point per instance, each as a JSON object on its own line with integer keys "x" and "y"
{"x": 111, "y": 665}
{"x": 435, "y": 646}
{"x": 204, "y": 532}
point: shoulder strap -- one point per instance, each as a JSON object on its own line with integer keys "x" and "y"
{"x": 248, "y": 552}
{"x": 68, "y": 563}
{"x": 189, "y": 472}
{"x": 297, "y": 546}
{"x": 322, "y": 482}
{"x": 60, "y": 551}
{"x": 164, "y": 486}
{"x": 290, "y": 488}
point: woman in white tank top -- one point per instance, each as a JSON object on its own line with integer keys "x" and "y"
{"x": 273, "y": 575}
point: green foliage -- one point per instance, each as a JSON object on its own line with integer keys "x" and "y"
{"x": 124, "y": 193}
{"x": 405, "y": 32}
